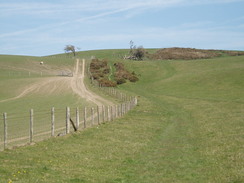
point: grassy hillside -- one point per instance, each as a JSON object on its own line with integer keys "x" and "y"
{"x": 26, "y": 84}
{"x": 188, "y": 127}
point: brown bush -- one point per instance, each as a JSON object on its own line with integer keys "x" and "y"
{"x": 99, "y": 70}
{"x": 97, "y": 64}
{"x": 133, "y": 78}
{"x": 120, "y": 81}
{"x": 184, "y": 54}
{"x": 119, "y": 66}
{"x": 121, "y": 74}
{"x": 106, "y": 70}
{"x": 107, "y": 83}
{"x": 190, "y": 54}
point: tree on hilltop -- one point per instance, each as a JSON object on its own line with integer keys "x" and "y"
{"x": 136, "y": 53}
{"x": 139, "y": 52}
{"x": 70, "y": 48}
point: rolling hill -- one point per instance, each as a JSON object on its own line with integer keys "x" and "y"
{"x": 188, "y": 127}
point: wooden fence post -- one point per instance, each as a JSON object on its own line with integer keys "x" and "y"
{"x": 122, "y": 109}
{"x": 5, "y": 138}
{"x": 115, "y": 111}
{"x": 103, "y": 113}
{"x": 92, "y": 116}
{"x": 108, "y": 115}
{"x": 111, "y": 113}
{"x": 118, "y": 108}
{"x": 52, "y": 121}
{"x": 77, "y": 118}
{"x": 85, "y": 117}
{"x": 128, "y": 106}
{"x": 98, "y": 116}
{"x": 67, "y": 120}
{"x": 31, "y": 125}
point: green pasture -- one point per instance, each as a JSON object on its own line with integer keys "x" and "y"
{"x": 188, "y": 127}
{"x": 18, "y": 73}
{"x": 12, "y": 85}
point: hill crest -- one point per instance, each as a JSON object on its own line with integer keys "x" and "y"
{"x": 177, "y": 53}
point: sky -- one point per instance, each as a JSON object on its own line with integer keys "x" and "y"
{"x": 45, "y": 27}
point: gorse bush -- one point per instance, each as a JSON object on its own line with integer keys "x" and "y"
{"x": 99, "y": 71}
{"x": 121, "y": 74}
{"x": 107, "y": 83}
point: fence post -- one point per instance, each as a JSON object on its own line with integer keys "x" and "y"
{"x": 111, "y": 112}
{"x": 77, "y": 118}
{"x": 5, "y": 131}
{"x": 67, "y": 120}
{"x": 115, "y": 110}
{"x": 108, "y": 115}
{"x": 122, "y": 109}
{"x": 31, "y": 125}
{"x": 128, "y": 106}
{"x": 98, "y": 115}
{"x": 118, "y": 110}
{"x": 52, "y": 122}
{"x": 103, "y": 113}
{"x": 92, "y": 116}
{"x": 85, "y": 117}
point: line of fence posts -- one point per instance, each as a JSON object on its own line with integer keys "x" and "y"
{"x": 112, "y": 112}
{"x": 101, "y": 113}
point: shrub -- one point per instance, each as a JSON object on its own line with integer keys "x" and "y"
{"x": 106, "y": 70}
{"x": 97, "y": 64}
{"x": 120, "y": 81}
{"x": 139, "y": 53}
{"x": 121, "y": 74}
{"x": 133, "y": 78}
{"x": 107, "y": 83}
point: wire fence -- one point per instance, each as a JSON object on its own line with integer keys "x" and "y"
{"x": 28, "y": 74}
{"x": 36, "y": 125}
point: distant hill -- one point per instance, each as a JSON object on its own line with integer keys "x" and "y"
{"x": 191, "y": 53}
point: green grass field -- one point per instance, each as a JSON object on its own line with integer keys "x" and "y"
{"x": 24, "y": 73}
{"x": 187, "y": 127}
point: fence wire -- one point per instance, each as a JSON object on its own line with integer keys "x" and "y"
{"x": 33, "y": 126}
{"x": 28, "y": 127}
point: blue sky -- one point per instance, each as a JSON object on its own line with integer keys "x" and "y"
{"x": 44, "y": 27}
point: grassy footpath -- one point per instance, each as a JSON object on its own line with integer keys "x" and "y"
{"x": 188, "y": 127}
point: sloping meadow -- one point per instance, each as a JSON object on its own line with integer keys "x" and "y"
{"x": 187, "y": 127}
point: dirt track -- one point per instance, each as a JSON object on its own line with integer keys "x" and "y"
{"x": 78, "y": 86}
{"x": 59, "y": 84}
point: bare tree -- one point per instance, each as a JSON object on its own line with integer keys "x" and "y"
{"x": 139, "y": 53}
{"x": 136, "y": 53}
{"x": 70, "y": 48}
{"x": 131, "y": 47}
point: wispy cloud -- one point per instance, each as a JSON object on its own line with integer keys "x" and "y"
{"x": 74, "y": 21}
